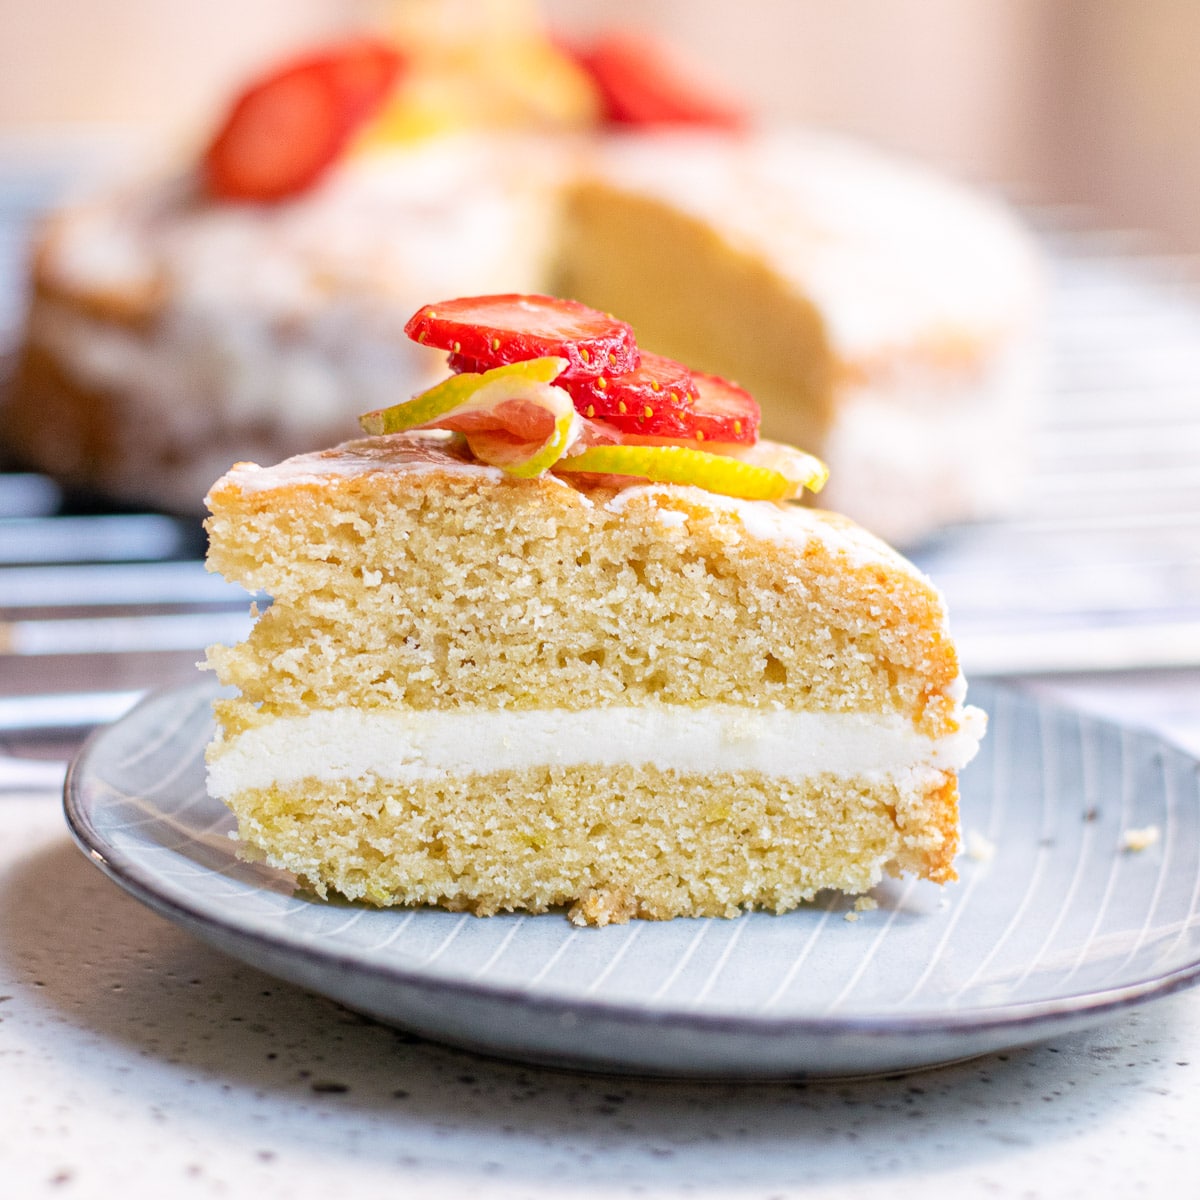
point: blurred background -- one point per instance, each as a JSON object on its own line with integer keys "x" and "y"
{"x": 1084, "y": 102}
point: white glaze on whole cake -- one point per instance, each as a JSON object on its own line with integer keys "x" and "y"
{"x": 262, "y": 330}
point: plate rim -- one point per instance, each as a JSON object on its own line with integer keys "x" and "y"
{"x": 124, "y": 870}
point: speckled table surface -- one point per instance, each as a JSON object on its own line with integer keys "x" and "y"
{"x": 135, "y": 1061}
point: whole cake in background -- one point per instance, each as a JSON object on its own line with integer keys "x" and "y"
{"x": 246, "y": 305}
{"x": 552, "y": 636}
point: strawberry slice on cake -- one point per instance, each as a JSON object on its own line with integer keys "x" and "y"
{"x": 650, "y": 422}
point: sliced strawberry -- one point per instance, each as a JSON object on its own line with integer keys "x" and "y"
{"x": 659, "y": 399}
{"x": 654, "y": 399}
{"x": 723, "y": 412}
{"x": 278, "y": 139}
{"x": 364, "y": 72}
{"x": 285, "y": 131}
{"x": 491, "y": 331}
{"x": 642, "y": 83}
{"x": 686, "y": 406}
{"x": 460, "y": 364}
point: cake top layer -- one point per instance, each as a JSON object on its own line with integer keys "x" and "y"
{"x": 434, "y": 453}
{"x": 402, "y": 573}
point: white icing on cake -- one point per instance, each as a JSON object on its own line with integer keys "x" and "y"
{"x": 771, "y": 521}
{"x": 413, "y": 454}
{"x": 409, "y": 746}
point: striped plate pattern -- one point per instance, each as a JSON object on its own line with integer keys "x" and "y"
{"x": 1081, "y": 896}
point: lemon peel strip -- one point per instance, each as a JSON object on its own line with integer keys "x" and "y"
{"x": 718, "y": 473}
{"x": 459, "y": 393}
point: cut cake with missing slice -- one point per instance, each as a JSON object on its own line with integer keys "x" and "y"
{"x": 492, "y": 693}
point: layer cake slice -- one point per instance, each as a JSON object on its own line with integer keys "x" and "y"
{"x": 491, "y": 693}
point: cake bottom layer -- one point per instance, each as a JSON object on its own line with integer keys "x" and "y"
{"x": 611, "y": 843}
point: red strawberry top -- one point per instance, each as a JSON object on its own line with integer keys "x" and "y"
{"x": 642, "y": 83}
{"x": 630, "y": 393}
{"x": 490, "y": 331}
{"x": 543, "y": 384}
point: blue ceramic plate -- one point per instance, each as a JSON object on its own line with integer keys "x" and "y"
{"x": 1055, "y": 924}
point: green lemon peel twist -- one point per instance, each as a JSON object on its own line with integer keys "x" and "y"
{"x": 765, "y": 471}
{"x": 550, "y": 451}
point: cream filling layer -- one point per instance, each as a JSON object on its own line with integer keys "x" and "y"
{"x": 410, "y": 746}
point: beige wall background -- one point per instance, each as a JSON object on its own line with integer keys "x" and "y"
{"x": 1089, "y": 102}
{"x": 1120, "y": 126}
{"x": 1094, "y": 102}
{"x": 951, "y": 80}
{"x": 161, "y": 65}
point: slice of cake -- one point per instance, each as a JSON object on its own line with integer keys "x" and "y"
{"x": 493, "y": 693}
{"x": 634, "y": 698}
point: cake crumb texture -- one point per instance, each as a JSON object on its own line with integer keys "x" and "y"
{"x": 535, "y": 594}
{"x": 612, "y": 844}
